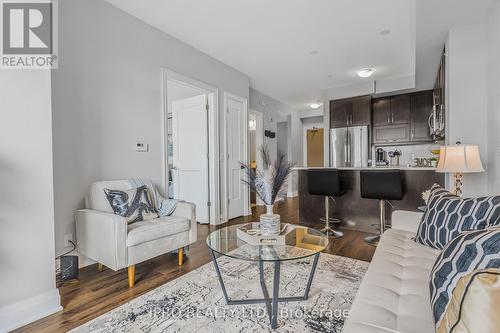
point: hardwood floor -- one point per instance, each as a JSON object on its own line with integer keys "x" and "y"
{"x": 96, "y": 292}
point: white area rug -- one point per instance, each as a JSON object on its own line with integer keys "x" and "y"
{"x": 194, "y": 302}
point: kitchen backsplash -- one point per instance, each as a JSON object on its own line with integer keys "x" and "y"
{"x": 412, "y": 151}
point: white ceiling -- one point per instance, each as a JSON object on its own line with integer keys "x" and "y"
{"x": 293, "y": 49}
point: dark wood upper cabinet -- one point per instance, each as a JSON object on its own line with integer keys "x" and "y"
{"x": 400, "y": 109}
{"x": 338, "y": 114}
{"x": 361, "y": 114}
{"x": 395, "y": 119}
{"x": 422, "y": 104}
{"x": 350, "y": 112}
{"x": 402, "y": 118}
{"x": 391, "y": 133}
{"x": 381, "y": 112}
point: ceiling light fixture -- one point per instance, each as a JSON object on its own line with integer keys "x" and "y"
{"x": 366, "y": 72}
{"x": 314, "y": 105}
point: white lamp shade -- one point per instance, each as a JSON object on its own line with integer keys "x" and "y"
{"x": 459, "y": 159}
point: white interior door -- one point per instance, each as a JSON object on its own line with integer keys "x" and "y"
{"x": 190, "y": 155}
{"x": 236, "y": 131}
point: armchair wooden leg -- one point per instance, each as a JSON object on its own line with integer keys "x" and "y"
{"x": 99, "y": 267}
{"x": 181, "y": 256}
{"x": 131, "y": 276}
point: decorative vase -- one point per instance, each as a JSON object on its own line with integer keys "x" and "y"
{"x": 269, "y": 222}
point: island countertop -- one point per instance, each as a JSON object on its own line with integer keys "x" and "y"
{"x": 357, "y": 213}
{"x": 372, "y": 168}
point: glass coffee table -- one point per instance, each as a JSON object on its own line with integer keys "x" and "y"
{"x": 301, "y": 242}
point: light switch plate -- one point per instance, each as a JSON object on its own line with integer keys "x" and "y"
{"x": 141, "y": 147}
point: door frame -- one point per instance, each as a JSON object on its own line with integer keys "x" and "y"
{"x": 213, "y": 134}
{"x": 225, "y": 193}
{"x": 259, "y": 141}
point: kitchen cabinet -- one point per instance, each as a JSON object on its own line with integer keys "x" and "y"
{"x": 400, "y": 109}
{"x": 361, "y": 111}
{"x": 422, "y": 103}
{"x": 391, "y": 134}
{"x": 402, "y": 118}
{"x": 382, "y": 112}
{"x": 395, "y": 110}
{"x": 350, "y": 112}
{"x": 338, "y": 114}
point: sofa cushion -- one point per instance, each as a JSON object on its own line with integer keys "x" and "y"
{"x": 466, "y": 253}
{"x": 134, "y": 204}
{"x": 447, "y": 215}
{"x": 393, "y": 295}
{"x": 145, "y": 231}
{"x": 475, "y": 304}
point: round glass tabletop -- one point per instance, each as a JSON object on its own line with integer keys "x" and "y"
{"x": 298, "y": 242}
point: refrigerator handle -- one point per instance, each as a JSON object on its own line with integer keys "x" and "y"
{"x": 349, "y": 148}
{"x": 346, "y": 144}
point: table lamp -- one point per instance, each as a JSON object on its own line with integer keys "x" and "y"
{"x": 459, "y": 159}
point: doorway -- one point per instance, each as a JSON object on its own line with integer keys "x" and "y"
{"x": 236, "y": 151}
{"x": 256, "y": 138}
{"x": 190, "y": 171}
{"x": 313, "y": 141}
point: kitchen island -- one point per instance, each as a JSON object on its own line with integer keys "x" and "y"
{"x": 361, "y": 214}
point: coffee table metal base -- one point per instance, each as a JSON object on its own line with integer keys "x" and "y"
{"x": 270, "y": 302}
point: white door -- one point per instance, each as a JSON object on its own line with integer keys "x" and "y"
{"x": 190, "y": 155}
{"x": 236, "y": 130}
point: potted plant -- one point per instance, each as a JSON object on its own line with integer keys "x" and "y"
{"x": 268, "y": 182}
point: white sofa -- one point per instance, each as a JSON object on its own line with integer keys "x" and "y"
{"x": 394, "y": 294}
{"x": 108, "y": 239}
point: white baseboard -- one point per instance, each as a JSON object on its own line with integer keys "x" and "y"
{"x": 21, "y": 313}
{"x": 292, "y": 194}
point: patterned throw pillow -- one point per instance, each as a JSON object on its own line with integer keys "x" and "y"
{"x": 165, "y": 206}
{"x": 470, "y": 251}
{"x": 474, "y": 304}
{"x": 447, "y": 215}
{"x": 135, "y": 204}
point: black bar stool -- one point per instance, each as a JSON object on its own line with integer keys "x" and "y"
{"x": 382, "y": 185}
{"x": 326, "y": 182}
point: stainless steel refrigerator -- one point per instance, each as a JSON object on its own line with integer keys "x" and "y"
{"x": 349, "y": 147}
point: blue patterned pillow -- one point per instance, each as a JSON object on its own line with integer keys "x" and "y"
{"x": 470, "y": 251}
{"x": 447, "y": 215}
{"x": 165, "y": 206}
{"x": 134, "y": 204}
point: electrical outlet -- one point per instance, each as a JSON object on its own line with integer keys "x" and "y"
{"x": 67, "y": 238}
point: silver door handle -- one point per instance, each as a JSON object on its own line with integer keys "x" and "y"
{"x": 389, "y": 118}
{"x": 392, "y": 115}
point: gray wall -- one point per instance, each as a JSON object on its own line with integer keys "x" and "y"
{"x": 282, "y": 138}
{"x": 272, "y": 111}
{"x": 27, "y": 274}
{"x": 467, "y": 84}
{"x": 493, "y": 100}
{"x": 107, "y": 95}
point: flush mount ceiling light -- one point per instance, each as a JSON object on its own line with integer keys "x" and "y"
{"x": 366, "y": 72}
{"x": 314, "y": 105}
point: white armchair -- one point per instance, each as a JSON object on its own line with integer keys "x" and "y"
{"x": 107, "y": 238}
